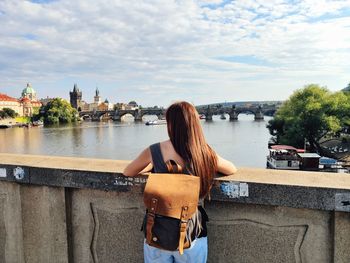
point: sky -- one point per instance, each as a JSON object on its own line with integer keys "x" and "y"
{"x": 156, "y": 52}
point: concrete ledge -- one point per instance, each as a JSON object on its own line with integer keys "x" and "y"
{"x": 65, "y": 209}
{"x": 298, "y": 189}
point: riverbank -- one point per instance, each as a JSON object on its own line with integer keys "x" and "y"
{"x": 9, "y": 121}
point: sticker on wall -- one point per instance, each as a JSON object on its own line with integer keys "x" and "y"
{"x": 234, "y": 189}
{"x": 3, "y": 172}
{"x": 243, "y": 189}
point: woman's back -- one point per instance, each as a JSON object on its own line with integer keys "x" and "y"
{"x": 163, "y": 152}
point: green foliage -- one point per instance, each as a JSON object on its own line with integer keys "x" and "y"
{"x": 23, "y": 119}
{"x": 58, "y": 111}
{"x": 8, "y": 113}
{"x": 310, "y": 113}
{"x": 36, "y": 110}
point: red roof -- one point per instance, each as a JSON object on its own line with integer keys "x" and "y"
{"x": 4, "y": 97}
{"x": 283, "y": 147}
{"x": 25, "y": 99}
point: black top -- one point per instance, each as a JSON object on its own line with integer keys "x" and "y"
{"x": 201, "y": 217}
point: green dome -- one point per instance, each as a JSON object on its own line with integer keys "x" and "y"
{"x": 28, "y": 90}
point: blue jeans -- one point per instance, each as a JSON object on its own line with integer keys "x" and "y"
{"x": 197, "y": 253}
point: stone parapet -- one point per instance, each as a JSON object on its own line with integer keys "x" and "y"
{"x": 64, "y": 209}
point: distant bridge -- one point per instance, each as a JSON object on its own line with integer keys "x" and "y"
{"x": 117, "y": 115}
{"x": 208, "y": 111}
{"x": 233, "y": 112}
{"x": 259, "y": 111}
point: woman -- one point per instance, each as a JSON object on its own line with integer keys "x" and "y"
{"x": 187, "y": 147}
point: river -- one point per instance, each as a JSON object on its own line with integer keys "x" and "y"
{"x": 244, "y": 142}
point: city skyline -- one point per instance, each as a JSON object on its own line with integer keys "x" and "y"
{"x": 156, "y": 53}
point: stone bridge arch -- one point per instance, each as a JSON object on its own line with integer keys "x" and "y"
{"x": 159, "y": 113}
{"x": 233, "y": 112}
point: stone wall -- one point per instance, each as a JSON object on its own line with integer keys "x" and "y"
{"x": 56, "y": 209}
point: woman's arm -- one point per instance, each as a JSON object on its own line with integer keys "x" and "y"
{"x": 143, "y": 163}
{"x": 225, "y": 166}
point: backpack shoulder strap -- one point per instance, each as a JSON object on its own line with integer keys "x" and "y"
{"x": 173, "y": 167}
{"x": 157, "y": 159}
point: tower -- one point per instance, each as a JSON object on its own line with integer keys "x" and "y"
{"x": 75, "y": 97}
{"x": 97, "y": 98}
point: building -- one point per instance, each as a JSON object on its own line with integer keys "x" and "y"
{"x": 29, "y": 101}
{"x": 25, "y": 106}
{"x": 75, "y": 97}
{"x": 132, "y": 105}
{"x": 11, "y": 103}
{"x": 98, "y": 105}
{"x": 29, "y": 93}
{"x": 105, "y": 106}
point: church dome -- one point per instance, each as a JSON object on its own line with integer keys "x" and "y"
{"x": 132, "y": 103}
{"x": 28, "y": 90}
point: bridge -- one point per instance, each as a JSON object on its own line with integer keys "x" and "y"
{"x": 63, "y": 209}
{"x": 117, "y": 115}
{"x": 233, "y": 112}
{"x": 208, "y": 111}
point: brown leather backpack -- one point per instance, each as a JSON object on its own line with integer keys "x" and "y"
{"x": 173, "y": 198}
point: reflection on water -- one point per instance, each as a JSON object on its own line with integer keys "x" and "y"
{"x": 243, "y": 141}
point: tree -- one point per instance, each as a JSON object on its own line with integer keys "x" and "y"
{"x": 8, "y": 113}
{"x": 310, "y": 114}
{"x": 58, "y": 111}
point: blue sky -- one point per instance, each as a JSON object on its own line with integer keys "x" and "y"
{"x": 159, "y": 51}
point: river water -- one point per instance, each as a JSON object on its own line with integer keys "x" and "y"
{"x": 244, "y": 142}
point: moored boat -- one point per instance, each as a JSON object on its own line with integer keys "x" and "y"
{"x": 5, "y": 126}
{"x": 37, "y": 123}
{"x": 283, "y": 157}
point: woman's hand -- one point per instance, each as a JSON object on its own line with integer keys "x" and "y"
{"x": 226, "y": 167}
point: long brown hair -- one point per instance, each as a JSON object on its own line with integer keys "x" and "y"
{"x": 186, "y": 134}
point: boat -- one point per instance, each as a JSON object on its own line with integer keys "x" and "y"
{"x": 5, "y": 126}
{"x": 287, "y": 157}
{"x": 155, "y": 122}
{"x": 37, "y": 123}
{"x": 222, "y": 117}
{"x": 283, "y": 157}
{"x": 202, "y": 117}
{"x": 327, "y": 164}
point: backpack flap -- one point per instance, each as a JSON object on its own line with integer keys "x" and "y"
{"x": 172, "y": 192}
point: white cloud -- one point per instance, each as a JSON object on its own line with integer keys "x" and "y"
{"x": 166, "y": 49}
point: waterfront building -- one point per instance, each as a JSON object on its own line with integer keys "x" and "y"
{"x": 11, "y": 103}
{"x": 132, "y": 105}
{"x": 105, "y": 106}
{"x": 75, "y": 97}
{"x": 29, "y": 93}
{"x": 29, "y": 101}
{"x": 98, "y": 105}
{"x": 25, "y": 105}
{"x": 97, "y": 98}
